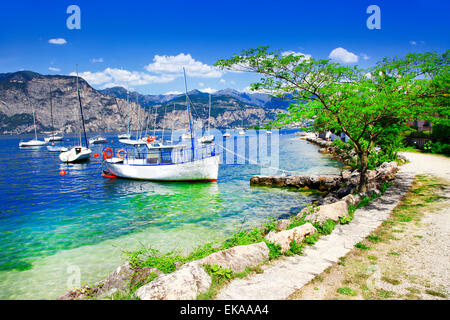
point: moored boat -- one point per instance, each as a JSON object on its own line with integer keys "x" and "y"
{"x": 159, "y": 162}
{"x": 97, "y": 140}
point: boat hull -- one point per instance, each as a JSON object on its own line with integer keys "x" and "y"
{"x": 33, "y": 143}
{"x": 206, "y": 169}
{"x": 74, "y": 156}
{"x": 54, "y": 138}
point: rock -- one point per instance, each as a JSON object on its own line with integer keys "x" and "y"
{"x": 351, "y": 199}
{"x": 184, "y": 284}
{"x": 332, "y": 211}
{"x": 387, "y": 171}
{"x": 343, "y": 191}
{"x": 282, "y": 224}
{"x": 327, "y": 200}
{"x": 284, "y": 238}
{"x": 239, "y": 257}
{"x": 118, "y": 279}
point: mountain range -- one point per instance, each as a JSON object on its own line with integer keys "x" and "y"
{"x": 108, "y": 111}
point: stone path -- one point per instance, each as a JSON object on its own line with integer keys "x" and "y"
{"x": 286, "y": 275}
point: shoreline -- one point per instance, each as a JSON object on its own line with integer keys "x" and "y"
{"x": 153, "y": 289}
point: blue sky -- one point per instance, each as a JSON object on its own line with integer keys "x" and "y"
{"x": 143, "y": 44}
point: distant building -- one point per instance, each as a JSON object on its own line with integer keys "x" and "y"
{"x": 422, "y": 125}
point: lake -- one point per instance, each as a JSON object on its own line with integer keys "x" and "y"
{"x": 51, "y": 225}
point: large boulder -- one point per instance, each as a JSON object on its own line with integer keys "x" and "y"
{"x": 332, "y": 211}
{"x": 284, "y": 238}
{"x": 239, "y": 257}
{"x": 386, "y": 172}
{"x": 184, "y": 284}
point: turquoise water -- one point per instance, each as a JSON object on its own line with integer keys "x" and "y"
{"x": 51, "y": 224}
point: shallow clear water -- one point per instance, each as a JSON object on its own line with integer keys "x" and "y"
{"x": 51, "y": 225}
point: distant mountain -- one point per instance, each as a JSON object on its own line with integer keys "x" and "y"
{"x": 107, "y": 110}
{"x": 257, "y": 99}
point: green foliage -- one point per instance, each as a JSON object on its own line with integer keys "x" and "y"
{"x": 274, "y": 250}
{"x": 325, "y": 228}
{"x": 295, "y": 248}
{"x": 361, "y": 246}
{"x": 148, "y": 257}
{"x": 441, "y": 132}
{"x": 437, "y": 147}
{"x": 221, "y": 271}
{"x": 371, "y": 106}
{"x": 245, "y": 237}
{"x": 347, "y": 291}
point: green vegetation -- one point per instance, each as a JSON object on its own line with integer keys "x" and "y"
{"x": 170, "y": 261}
{"x": 371, "y": 106}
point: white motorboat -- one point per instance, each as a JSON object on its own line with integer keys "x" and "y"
{"x": 159, "y": 162}
{"x": 269, "y": 132}
{"x": 77, "y": 153}
{"x": 132, "y": 142}
{"x": 32, "y": 143}
{"x": 241, "y": 132}
{"x": 124, "y": 136}
{"x": 57, "y": 149}
{"x": 35, "y": 142}
{"x": 53, "y": 138}
{"x": 97, "y": 140}
{"x": 206, "y": 139}
{"x": 226, "y": 135}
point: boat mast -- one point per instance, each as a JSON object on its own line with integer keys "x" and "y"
{"x": 129, "y": 112}
{"x": 34, "y": 123}
{"x": 82, "y": 117}
{"x": 189, "y": 115}
{"x": 209, "y": 114}
{"x": 51, "y": 110}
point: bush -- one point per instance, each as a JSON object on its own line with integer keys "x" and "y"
{"x": 440, "y": 148}
{"x": 441, "y": 132}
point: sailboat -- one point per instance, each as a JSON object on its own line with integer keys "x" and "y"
{"x": 137, "y": 141}
{"x": 77, "y": 153}
{"x": 35, "y": 142}
{"x": 53, "y": 136}
{"x": 159, "y": 162}
{"x": 127, "y": 135}
{"x": 208, "y": 138}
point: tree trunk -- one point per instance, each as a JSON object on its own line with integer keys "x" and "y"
{"x": 364, "y": 159}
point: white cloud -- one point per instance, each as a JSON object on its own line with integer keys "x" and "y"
{"x": 296, "y": 54}
{"x": 412, "y": 42}
{"x": 208, "y": 90}
{"x": 120, "y": 77}
{"x": 247, "y": 90}
{"x": 344, "y": 56}
{"x": 173, "y": 92}
{"x": 174, "y": 65}
{"x": 364, "y": 56}
{"x": 201, "y": 84}
{"x": 97, "y": 60}
{"x": 54, "y": 69}
{"x": 59, "y": 41}
{"x": 222, "y": 81}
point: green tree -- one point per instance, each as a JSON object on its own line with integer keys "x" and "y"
{"x": 362, "y": 103}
